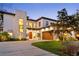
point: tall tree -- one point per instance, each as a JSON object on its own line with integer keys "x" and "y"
{"x": 76, "y": 20}
{"x": 62, "y": 16}
{"x": 73, "y": 21}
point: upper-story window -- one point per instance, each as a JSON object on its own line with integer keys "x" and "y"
{"x": 30, "y": 24}
{"x": 34, "y": 25}
{"x": 39, "y": 24}
{"x": 20, "y": 21}
{"x": 21, "y": 25}
{"x": 51, "y": 23}
{"x": 46, "y": 23}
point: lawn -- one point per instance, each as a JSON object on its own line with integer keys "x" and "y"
{"x": 51, "y": 46}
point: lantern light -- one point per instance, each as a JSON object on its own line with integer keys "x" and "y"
{"x": 46, "y": 29}
{"x": 51, "y": 28}
{"x": 42, "y": 30}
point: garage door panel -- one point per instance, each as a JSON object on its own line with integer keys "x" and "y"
{"x": 47, "y": 36}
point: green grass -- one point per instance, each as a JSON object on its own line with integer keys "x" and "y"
{"x": 51, "y": 46}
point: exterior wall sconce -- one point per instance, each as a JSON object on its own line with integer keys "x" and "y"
{"x": 51, "y": 28}
{"x": 77, "y": 35}
{"x": 42, "y": 30}
{"x": 37, "y": 31}
{"x": 46, "y": 29}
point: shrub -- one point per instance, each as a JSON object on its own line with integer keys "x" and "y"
{"x": 63, "y": 50}
{"x": 72, "y": 50}
{"x": 4, "y": 36}
{"x": 16, "y": 39}
{"x": 24, "y": 39}
{"x": 13, "y": 39}
{"x": 70, "y": 47}
{"x": 71, "y": 39}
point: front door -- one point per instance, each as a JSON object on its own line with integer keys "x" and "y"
{"x": 30, "y": 35}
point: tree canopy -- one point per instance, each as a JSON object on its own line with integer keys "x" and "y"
{"x": 69, "y": 20}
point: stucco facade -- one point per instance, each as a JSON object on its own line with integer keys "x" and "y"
{"x": 18, "y": 25}
{"x": 36, "y": 28}
{"x": 11, "y": 23}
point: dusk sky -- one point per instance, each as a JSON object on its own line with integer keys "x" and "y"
{"x": 36, "y": 10}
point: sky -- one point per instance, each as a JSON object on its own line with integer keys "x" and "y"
{"x": 36, "y": 10}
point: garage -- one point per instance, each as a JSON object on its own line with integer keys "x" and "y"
{"x": 47, "y": 35}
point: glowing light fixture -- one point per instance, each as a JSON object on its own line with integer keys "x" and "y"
{"x": 46, "y": 29}
{"x": 51, "y": 28}
{"x": 65, "y": 34}
{"x": 42, "y": 30}
{"x": 10, "y": 33}
{"x": 77, "y": 35}
{"x": 37, "y": 31}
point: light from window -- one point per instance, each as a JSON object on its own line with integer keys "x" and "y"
{"x": 30, "y": 24}
{"x": 20, "y": 21}
{"x": 21, "y": 25}
{"x": 21, "y": 30}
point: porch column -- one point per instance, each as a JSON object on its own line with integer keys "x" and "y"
{"x": 41, "y": 35}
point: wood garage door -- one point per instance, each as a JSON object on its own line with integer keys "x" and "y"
{"x": 47, "y": 36}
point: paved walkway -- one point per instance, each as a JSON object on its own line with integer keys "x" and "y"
{"x": 21, "y": 48}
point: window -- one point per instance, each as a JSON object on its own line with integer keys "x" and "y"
{"x": 21, "y": 30}
{"x": 21, "y": 25}
{"x": 39, "y": 24}
{"x": 30, "y": 25}
{"x": 20, "y": 21}
{"x": 51, "y": 23}
{"x": 46, "y": 23}
{"x": 34, "y": 25}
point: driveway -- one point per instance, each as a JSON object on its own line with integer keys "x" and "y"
{"x": 21, "y": 48}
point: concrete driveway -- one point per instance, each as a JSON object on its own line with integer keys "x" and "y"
{"x": 21, "y": 48}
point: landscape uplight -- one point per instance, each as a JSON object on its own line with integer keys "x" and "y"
{"x": 10, "y": 34}
{"x": 77, "y": 35}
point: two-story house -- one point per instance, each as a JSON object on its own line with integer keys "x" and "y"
{"x": 39, "y": 29}
{"x": 18, "y": 25}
